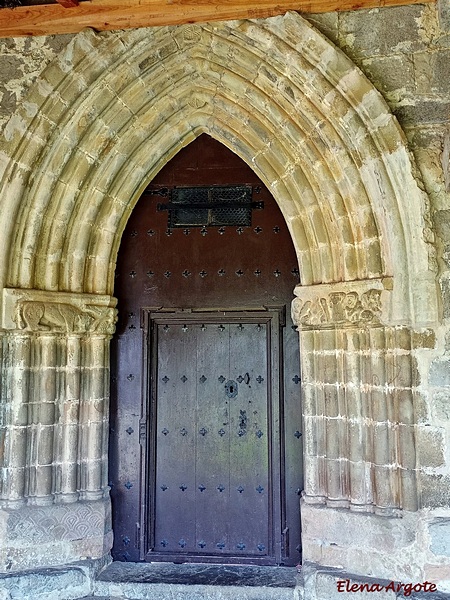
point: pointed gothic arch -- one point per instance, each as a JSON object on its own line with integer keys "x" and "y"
{"x": 100, "y": 122}
{"x": 106, "y": 115}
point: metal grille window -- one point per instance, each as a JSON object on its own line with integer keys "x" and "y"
{"x": 210, "y": 206}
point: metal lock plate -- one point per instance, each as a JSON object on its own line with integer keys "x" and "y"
{"x": 231, "y": 388}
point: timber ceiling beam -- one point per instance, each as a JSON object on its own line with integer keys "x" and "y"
{"x": 102, "y": 15}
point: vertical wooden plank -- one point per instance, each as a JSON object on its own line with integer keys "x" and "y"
{"x": 213, "y": 434}
{"x": 124, "y": 449}
{"x": 250, "y": 489}
{"x": 175, "y": 439}
{"x": 293, "y": 444}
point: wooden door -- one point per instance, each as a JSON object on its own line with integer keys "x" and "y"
{"x": 203, "y": 270}
{"x": 214, "y": 489}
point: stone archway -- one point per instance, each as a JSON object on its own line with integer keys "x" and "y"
{"x": 96, "y": 127}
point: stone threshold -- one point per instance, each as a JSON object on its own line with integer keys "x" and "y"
{"x": 199, "y": 574}
{"x": 160, "y": 581}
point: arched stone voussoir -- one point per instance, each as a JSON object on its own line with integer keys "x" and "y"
{"x": 265, "y": 153}
{"x": 281, "y": 74}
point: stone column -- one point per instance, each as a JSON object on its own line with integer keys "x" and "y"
{"x": 55, "y": 393}
{"x": 66, "y": 430}
{"x": 359, "y": 382}
{"x": 16, "y": 358}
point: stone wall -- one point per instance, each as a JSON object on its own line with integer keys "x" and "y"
{"x": 405, "y": 53}
{"x": 376, "y": 365}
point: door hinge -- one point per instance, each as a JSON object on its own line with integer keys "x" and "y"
{"x": 143, "y": 432}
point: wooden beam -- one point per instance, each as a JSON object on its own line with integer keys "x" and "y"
{"x": 103, "y": 15}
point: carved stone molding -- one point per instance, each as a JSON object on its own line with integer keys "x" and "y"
{"x": 66, "y": 522}
{"x": 344, "y": 304}
{"x": 58, "y": 312}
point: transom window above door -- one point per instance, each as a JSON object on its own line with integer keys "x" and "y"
{"x": 211, "y": 206}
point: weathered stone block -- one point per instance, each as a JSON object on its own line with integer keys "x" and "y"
{"x": 8, "y": 103}
{"x": 423, "y": 112}
{"x": 435, "y": 490}
{"x": 10, "y": 66}
{"x": 380, "y": 32}
{"x": 440, "y": 372}
{"x": 405, "y": 402}
{"x": 440, "y": 402}
{"x": 399, "y": 337}
{"x": 421, "y": 407}
{"x": 48, "y": 584}
{"x": 445, "y": 289}
{"x": 326, "y": 23}
{"x": 443, "y": 7}
{"x": 424, "y": 339}
{"x": 445, "y": 160}
{"x": 428, "y": 145}
{"x": 441, "y": 221}
{"x": 327, "y": 526}
{"x": 392, "y": 75}
{"x": 58, "y": 42}
{"x": 430, "y": 446}
{"x": 407, "y": 374}
{"x": 327, "y": 588}
{"x": 432, "y": 72}
{"x": 440, "y": 536}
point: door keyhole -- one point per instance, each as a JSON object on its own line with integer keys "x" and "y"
{"x": 231, "y": 389}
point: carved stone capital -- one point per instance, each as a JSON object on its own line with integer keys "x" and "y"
{"x": 345, "y": 304}
{"x": 58, "y": 312}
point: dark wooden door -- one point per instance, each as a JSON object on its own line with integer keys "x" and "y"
{"x": 205, "y": 270}
{"x": 214, "y": 489}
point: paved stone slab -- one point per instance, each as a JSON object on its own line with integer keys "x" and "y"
{"x": 98, "y": 598}
{"x": 162, "y": 591}
{"x": 46, "y": 584}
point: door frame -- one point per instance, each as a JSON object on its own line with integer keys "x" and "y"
{"x": 275, "y": 317}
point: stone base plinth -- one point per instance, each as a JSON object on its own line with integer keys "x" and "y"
{"x": 49, "y": 536}
{"x": 54, "y": 583}
{"x": 320, "y": 583}
{"x": 412, "y": 548}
